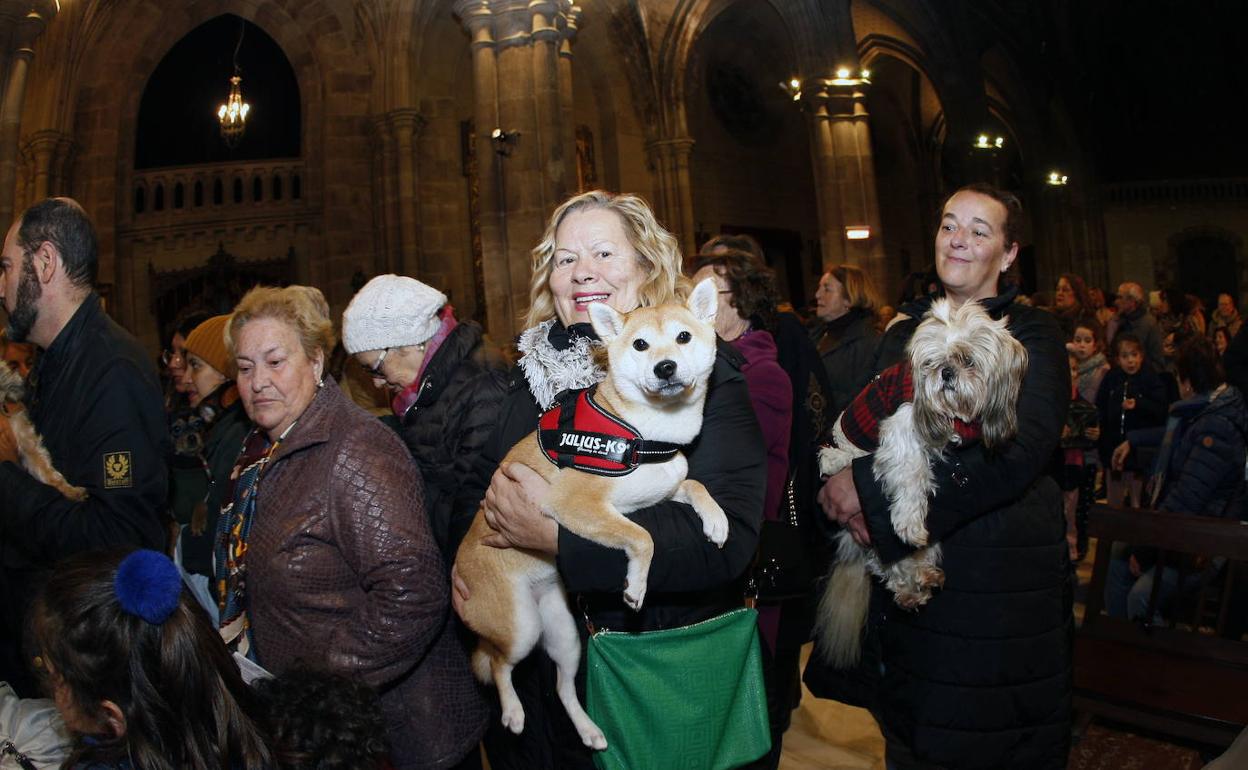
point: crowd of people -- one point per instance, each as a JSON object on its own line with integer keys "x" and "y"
{"x": 262, "y": 572}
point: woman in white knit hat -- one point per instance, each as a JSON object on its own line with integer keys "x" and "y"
{"x": 447, "y": 384}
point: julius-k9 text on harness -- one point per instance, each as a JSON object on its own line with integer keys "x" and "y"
{"x": 578, "y": 433}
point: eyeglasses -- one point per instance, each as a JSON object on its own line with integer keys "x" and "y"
{"x": 167, "y": 357}
{"x": 375, "y": 368}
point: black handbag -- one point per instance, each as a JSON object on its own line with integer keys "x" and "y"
{"x": 784, "y": 567}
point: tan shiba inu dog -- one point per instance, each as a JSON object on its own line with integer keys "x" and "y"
{"x": 30, "y": 449}
{"x": 660, "y": 361}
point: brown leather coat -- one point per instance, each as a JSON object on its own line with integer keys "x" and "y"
{"x": 344, "y": 575}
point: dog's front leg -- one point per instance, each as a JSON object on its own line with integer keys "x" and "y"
{"x": 582, "y": 506}
{"x": 714, "y": 521}
{"x": 902, "y": 465}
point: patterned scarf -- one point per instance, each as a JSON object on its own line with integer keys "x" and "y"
{"x": 233, "y": 532}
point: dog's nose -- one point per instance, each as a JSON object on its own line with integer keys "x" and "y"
{"x": 947, "y": 373}
{"x": 665, "y": 369}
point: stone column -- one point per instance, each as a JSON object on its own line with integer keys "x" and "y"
{"x": 520, "y": 64}
{"x": 30, "y": 25}
{"x": 48, "y": 152}
{"x": 405, "y": 128}
{"x": 674, "y": 197}
{"x": 845, "y": 176}
{"x": 396, "y": 190}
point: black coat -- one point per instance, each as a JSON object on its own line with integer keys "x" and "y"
{"x": 462, "y": 389}
{"x": 981, "y": 675}
{"x": 848, "y": 360}
{"x": 95, "y": 398}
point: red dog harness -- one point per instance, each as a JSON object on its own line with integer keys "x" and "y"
{"x": 578, "y": 433}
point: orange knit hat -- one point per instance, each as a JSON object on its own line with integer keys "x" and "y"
{"x": 208, "y": 342}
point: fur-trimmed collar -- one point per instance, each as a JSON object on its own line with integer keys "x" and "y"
{"x": 551, "y": 371}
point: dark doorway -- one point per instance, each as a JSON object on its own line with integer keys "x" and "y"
{"x": 1205, "y": 266}
{"x": 781, "y": 247}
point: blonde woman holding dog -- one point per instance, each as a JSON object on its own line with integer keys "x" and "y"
{"x": 980, "y": 676}
{"x": 604, "y": 247}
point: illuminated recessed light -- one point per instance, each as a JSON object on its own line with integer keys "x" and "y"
{"x": 857, "y": 233}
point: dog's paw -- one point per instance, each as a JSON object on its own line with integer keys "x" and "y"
{"x": 593, "y": 738}
{"x": 931, "y": 577}
{"x": 715, "y": 527}
{"x": 513, "y": 718}
{"x": 635, "y": 594}
{"x": 912, "y": 599}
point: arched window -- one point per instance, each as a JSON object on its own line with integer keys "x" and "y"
{"x": 295, "y": 191}
{"x": 178, "y": 198}
{"x": 277, "y": 187}
{"x": 257, "y": 189}
{"x": 181, "y": 96}
{"x": 199, "y": 193}
{"x": 158, "y": 198}
{"x": 218, "y": 192}
{"x": 238, "y": 190}
{"x": 140, "y": 199}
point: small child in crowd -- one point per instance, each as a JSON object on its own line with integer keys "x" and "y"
{"x": 1087, "y": 346}
{"x": 1131, "y": 396}
{"x": 1079, "y": 437}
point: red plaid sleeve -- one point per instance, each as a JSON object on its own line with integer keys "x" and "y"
{"x": 861, "y": 420}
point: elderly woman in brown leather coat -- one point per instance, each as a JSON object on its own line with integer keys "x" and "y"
{"x": 324, "y": 555}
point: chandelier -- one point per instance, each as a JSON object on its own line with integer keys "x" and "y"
{"x": 233, "y": 114}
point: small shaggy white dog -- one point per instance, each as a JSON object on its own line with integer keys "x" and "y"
{"x": 966, "y": 370}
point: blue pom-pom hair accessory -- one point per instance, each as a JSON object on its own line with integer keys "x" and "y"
{"x": 148, "y": 584}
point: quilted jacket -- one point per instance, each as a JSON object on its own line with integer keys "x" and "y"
{"x": 344, "y": 575}
{"x": 449, "y": 424}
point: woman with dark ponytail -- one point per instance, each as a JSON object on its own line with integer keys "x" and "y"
{"x": 138, "y": 671}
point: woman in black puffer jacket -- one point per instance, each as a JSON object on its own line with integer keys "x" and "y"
{"x": 448, "y": 385}
{"x": 980, "y": 676}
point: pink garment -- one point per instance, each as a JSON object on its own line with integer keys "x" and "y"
{"x": 408, "y": 396}
{"x": 771, "y": 395}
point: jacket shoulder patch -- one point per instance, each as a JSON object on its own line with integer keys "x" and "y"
{"x": 118, "y": 470}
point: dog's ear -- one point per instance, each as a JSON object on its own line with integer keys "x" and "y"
{"x": 931, "y": 425}
{"x": 606, "y": 320}
{"x": 1000, "y": 418}
{"x": 704, "y": 301}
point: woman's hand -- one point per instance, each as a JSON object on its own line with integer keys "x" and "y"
{"x": 512, "y": 511}
{"x": 1119, "y": 457}
{"x": 1092, "y": 434}
{"x": 839, "y": 499}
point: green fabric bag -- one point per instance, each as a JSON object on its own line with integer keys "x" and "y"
{"x": 689, "y": 698}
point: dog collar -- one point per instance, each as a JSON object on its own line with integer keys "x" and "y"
{"x": 578, "y": 433}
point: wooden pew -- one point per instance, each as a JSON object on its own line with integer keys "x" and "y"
{"x": 1187, "y": 679}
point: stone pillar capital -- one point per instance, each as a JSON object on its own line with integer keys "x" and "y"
{"x": 405, "y": 122}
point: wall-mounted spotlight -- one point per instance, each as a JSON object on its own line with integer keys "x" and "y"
{"x": 1056, "y": 178}
{"x": 986, "y": 142}
{"x": 504, "y": 141}
{"x": 846, "y": 77}
{"x": 792, "y": 87}
{"x": 857, "y": 233}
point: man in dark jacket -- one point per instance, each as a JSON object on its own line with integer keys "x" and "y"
{"x": 94, "y": 397}
{"x": 1133, "y": 317}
